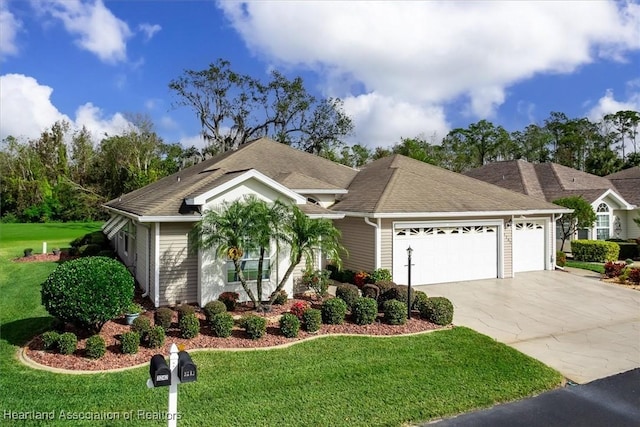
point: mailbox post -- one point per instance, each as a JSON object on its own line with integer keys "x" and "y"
{"x": 181, "y": 369}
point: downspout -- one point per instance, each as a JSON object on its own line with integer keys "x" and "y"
{"x": 378, "y": 249}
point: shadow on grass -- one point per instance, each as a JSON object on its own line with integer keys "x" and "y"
{"x": 19, "y": 332}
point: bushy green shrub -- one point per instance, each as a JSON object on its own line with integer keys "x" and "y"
{"x": 189, "y": 326}
{"x": 130, "y": 342}
{"x": 364, "y": 310}
{"x": 316, "y": 280}
{"x": 230, "y": 300}
{"x": 438, "y": 310}
{"x": 163, "y": 317}
{"x": 67, "y": 343}
{"x": 384, "y": 286}
{"x": 399, "y": 293}
{"x": 561, "y": 258}
{"x": 95, "y": 347}
{"x": 141, "y": 325}
{"x": 419, "y": 298}
{"x": 381, "y": 274}
{"x": 222, "y": 325}
{"x": 594, "y": 250}
{"x": 212, "y": 308}
{"x": 348, "y": 293}
{"x": 395, "y": 312}
{"x": 334, "y": 311}
{"x": 255, "y": 326}
{"x": 627, "y": 249}
{"x": 50, "y": 340}
{"x": 281, "y": 298}
{"x": 88, "y": 292}
{"x": 312, "y": 319}
{"x": 289, "y": 325}
{"x": 184, "y": 309}
{"x": 156, "y": 337}
{"x": 371, "y": 291}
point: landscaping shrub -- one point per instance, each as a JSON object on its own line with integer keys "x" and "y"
{"x": 50, "y": 340}
{"x": 222, "y": 325}
{"x": 317, "y": 281}
{"x": 183, "y": 310}
{"x": 163, "y": 317}
{"x": 212, "y": 308}
{"x": 419, "y": 298}
{"x": 371, "y": 291}
{"x": 130, "y": 342}
{"x": 95, "y": 347}
{"x": 613, "y": 269}
{"x": 627, "y": 249}
{"x": 230, "y": 300}
{"x": 89, "y": 250}
{"x": 334, "y": 311}
{"x": 594, "y": 250}
{"x": 348, "y": 276}
{"x": 312, "y": 319}
{"x": 381, "y": 274}
{"x": 383, "y": 287}
{"x": 157, "y": 337}
{"x": 348, "y": 293}
{"x": 67, "y": 343}
{"x": 281, "y": 298}
{"x": 255, "y": 326}
{"x": 141, "y": 325}
{"x": 438, "y": 310}
{"x": 289, "y": 325}
{"x": 400, "y": 293}
{"x": 561, "y": 258}
{"x": 364, "y": 310}
{"x": 299, "y": 307}
{"x": 395, "y": 312}
{"x": 189, "y": 326}
{"x": 361, "y": 278}
{"x": 88, "y": 292}
{"x": 634, "y": 275}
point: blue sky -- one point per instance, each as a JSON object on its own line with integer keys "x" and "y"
{"x": 402, "y": 68}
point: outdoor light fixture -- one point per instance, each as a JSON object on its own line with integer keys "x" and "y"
{"x": 409, "y": 252}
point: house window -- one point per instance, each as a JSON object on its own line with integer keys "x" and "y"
{"x": 249, "y": 265}
{"x": 603, "y": 222}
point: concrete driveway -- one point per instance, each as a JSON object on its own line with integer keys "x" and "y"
{"x": 578, "y": 325}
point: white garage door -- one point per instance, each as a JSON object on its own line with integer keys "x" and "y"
{"x": 445, "y": 254}
{"x": 528, "y": 246}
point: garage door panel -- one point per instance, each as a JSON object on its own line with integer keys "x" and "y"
{"x": 528, "y": 246}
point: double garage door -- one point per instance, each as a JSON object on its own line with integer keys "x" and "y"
{"x": 463, "y": 252}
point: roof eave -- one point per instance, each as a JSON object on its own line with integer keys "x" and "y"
{"x": 466, "y": 214}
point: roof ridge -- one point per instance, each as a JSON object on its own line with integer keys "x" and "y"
{"x": 390, "y": 181}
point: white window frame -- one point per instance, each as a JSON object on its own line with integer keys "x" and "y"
{"x": 603, "y": 214}
{"x": 250, "y": 256}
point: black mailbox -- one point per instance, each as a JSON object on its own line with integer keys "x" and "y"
{"x": 159, "y": 371}
{"x": 186, "y": 368}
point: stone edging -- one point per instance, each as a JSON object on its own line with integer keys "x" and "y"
{"x": 26, "y": 360}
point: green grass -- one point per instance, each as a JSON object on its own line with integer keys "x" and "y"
{"x": 355, "y": 381}
{"x": 591, "y": 266}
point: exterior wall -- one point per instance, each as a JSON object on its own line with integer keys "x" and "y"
{"x": 632, "y": 229}
{"x": 178, "y": 269}
{"x": 154, "y": 265}
{"x": 359, "y": 239}
{"x": 142, "y": 256}
{"x": 246, "y": 188}
{"x": 507, "y": 250}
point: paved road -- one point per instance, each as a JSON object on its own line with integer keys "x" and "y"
{"x": 584, "y": 328}
{"x": 610, "y": 402}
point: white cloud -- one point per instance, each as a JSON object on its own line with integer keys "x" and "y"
{"x": 9, "y": 27}
{"x": 93, "y": 118}
{"x": 609, "y": 105}
{"x": 193, "y": 140}
{"x": 433, "y": 53}
{"x": 149, "y": 30}
{"x": 97, "y": 29}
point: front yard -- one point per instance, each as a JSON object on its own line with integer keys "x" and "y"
{"x": 328, "y": 381}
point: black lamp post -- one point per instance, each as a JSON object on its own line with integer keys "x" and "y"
{"x": 409, "y": 252}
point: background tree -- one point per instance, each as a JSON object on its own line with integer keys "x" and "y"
{"x": 475, "y": 146}
{"x": 582, "y": 217}
{"x": 625, "y": 124}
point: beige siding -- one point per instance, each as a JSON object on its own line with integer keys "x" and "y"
{"x": 386, "y": 253}
{"x": 359, "y": 239}
{"x": 142, "y": 256}
{"x": 178, "y": 266}
{"x": 633, "y": 229}
{"x": 507, "y": 251}
{"x": 153, "y": 265}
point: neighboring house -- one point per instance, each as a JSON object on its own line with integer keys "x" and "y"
{"x": 615, "y": 198}
{"x": 460, "y": 228}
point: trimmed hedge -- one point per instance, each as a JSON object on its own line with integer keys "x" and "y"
{"x": 289, "y": 325}
{"x": 348, "y": 293}
{"x": 50, "y": 340}
{"x": 95, "y": 347}
{"x": 419, "y": 299}
{"x": 212, "y": 308}
{"x": 163, "y": 317}
{"x": 184, "y": 309}
{"x": 627, "y": 249}
{"x": 312, "y": 319}
{"x": 156, "y": 337}
{"x": 189, "y": 326}
{"x": 255, "y": 326}
{"x": 130, "y": 342}
{"x": 334, "y": 311}
{"x": 364, "y": 310}
{"x": 395, "y": 312}
{"x": 438, "y": 310}
{"x": 67, "y": 343}
{"x": 141, "y": 325}
{"x": 221, "y": 325}
{"x": 594, "y": 250}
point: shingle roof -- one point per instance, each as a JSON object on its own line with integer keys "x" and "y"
{"x": 627, "y": 182}
{"x": 398, "y": 184}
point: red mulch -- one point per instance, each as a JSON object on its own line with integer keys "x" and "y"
{"x": 62, "y": 256}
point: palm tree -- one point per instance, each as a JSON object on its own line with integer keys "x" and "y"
{"x": 304, "y": 236}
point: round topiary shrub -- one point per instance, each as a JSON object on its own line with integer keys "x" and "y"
{"x": 395, "y": 312}
{"x": 438, "y": 310}
{"x": 88, "y": 292}
{"x": 255, "y": 326}
{"x": 163, "y": 317}
{"x": 334, "y": 311}
{"x": 364, "y": 311}
{"x": 289, "y": 325}
{"x": 222, "y": 325}
{"x": 95, "y": 347}
{"x": 348, "y": 293}
{"x": 67, "y": 343}
{"x": 184, "y": 309}
{"x": 212, "y": 308}
{"x": 157, "y": 337}
{"x": 312, "y": 319}
{"x": 189, "y": 326}
{"x": 383, "y": 287}
{"x": 141, "y": 325}
{"x": 50, "y": 340}
{"x": 130, "y": 342}
{"x": 281, "y": 298}
{"x": 419, "y": 298}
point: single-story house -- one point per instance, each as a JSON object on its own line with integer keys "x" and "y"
{"x": 459, "y": 228}
{"x": 614, "y": 198}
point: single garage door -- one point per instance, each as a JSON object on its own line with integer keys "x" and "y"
{"x": 445, "y": 253}
{"x": 528, "y": 246}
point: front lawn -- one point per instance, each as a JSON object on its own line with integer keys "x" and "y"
{"x": 329, "y": 381}
{"x": 591, "y": 266}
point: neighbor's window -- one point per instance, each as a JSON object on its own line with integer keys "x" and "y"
{"x": 249, "y": 265}
{"x": 603, "y": 222}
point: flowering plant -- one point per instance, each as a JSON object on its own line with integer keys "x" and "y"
{"x": 317, "y": 280}
{"x": 299, "y": 307}
{"x": 361, "y": 278}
